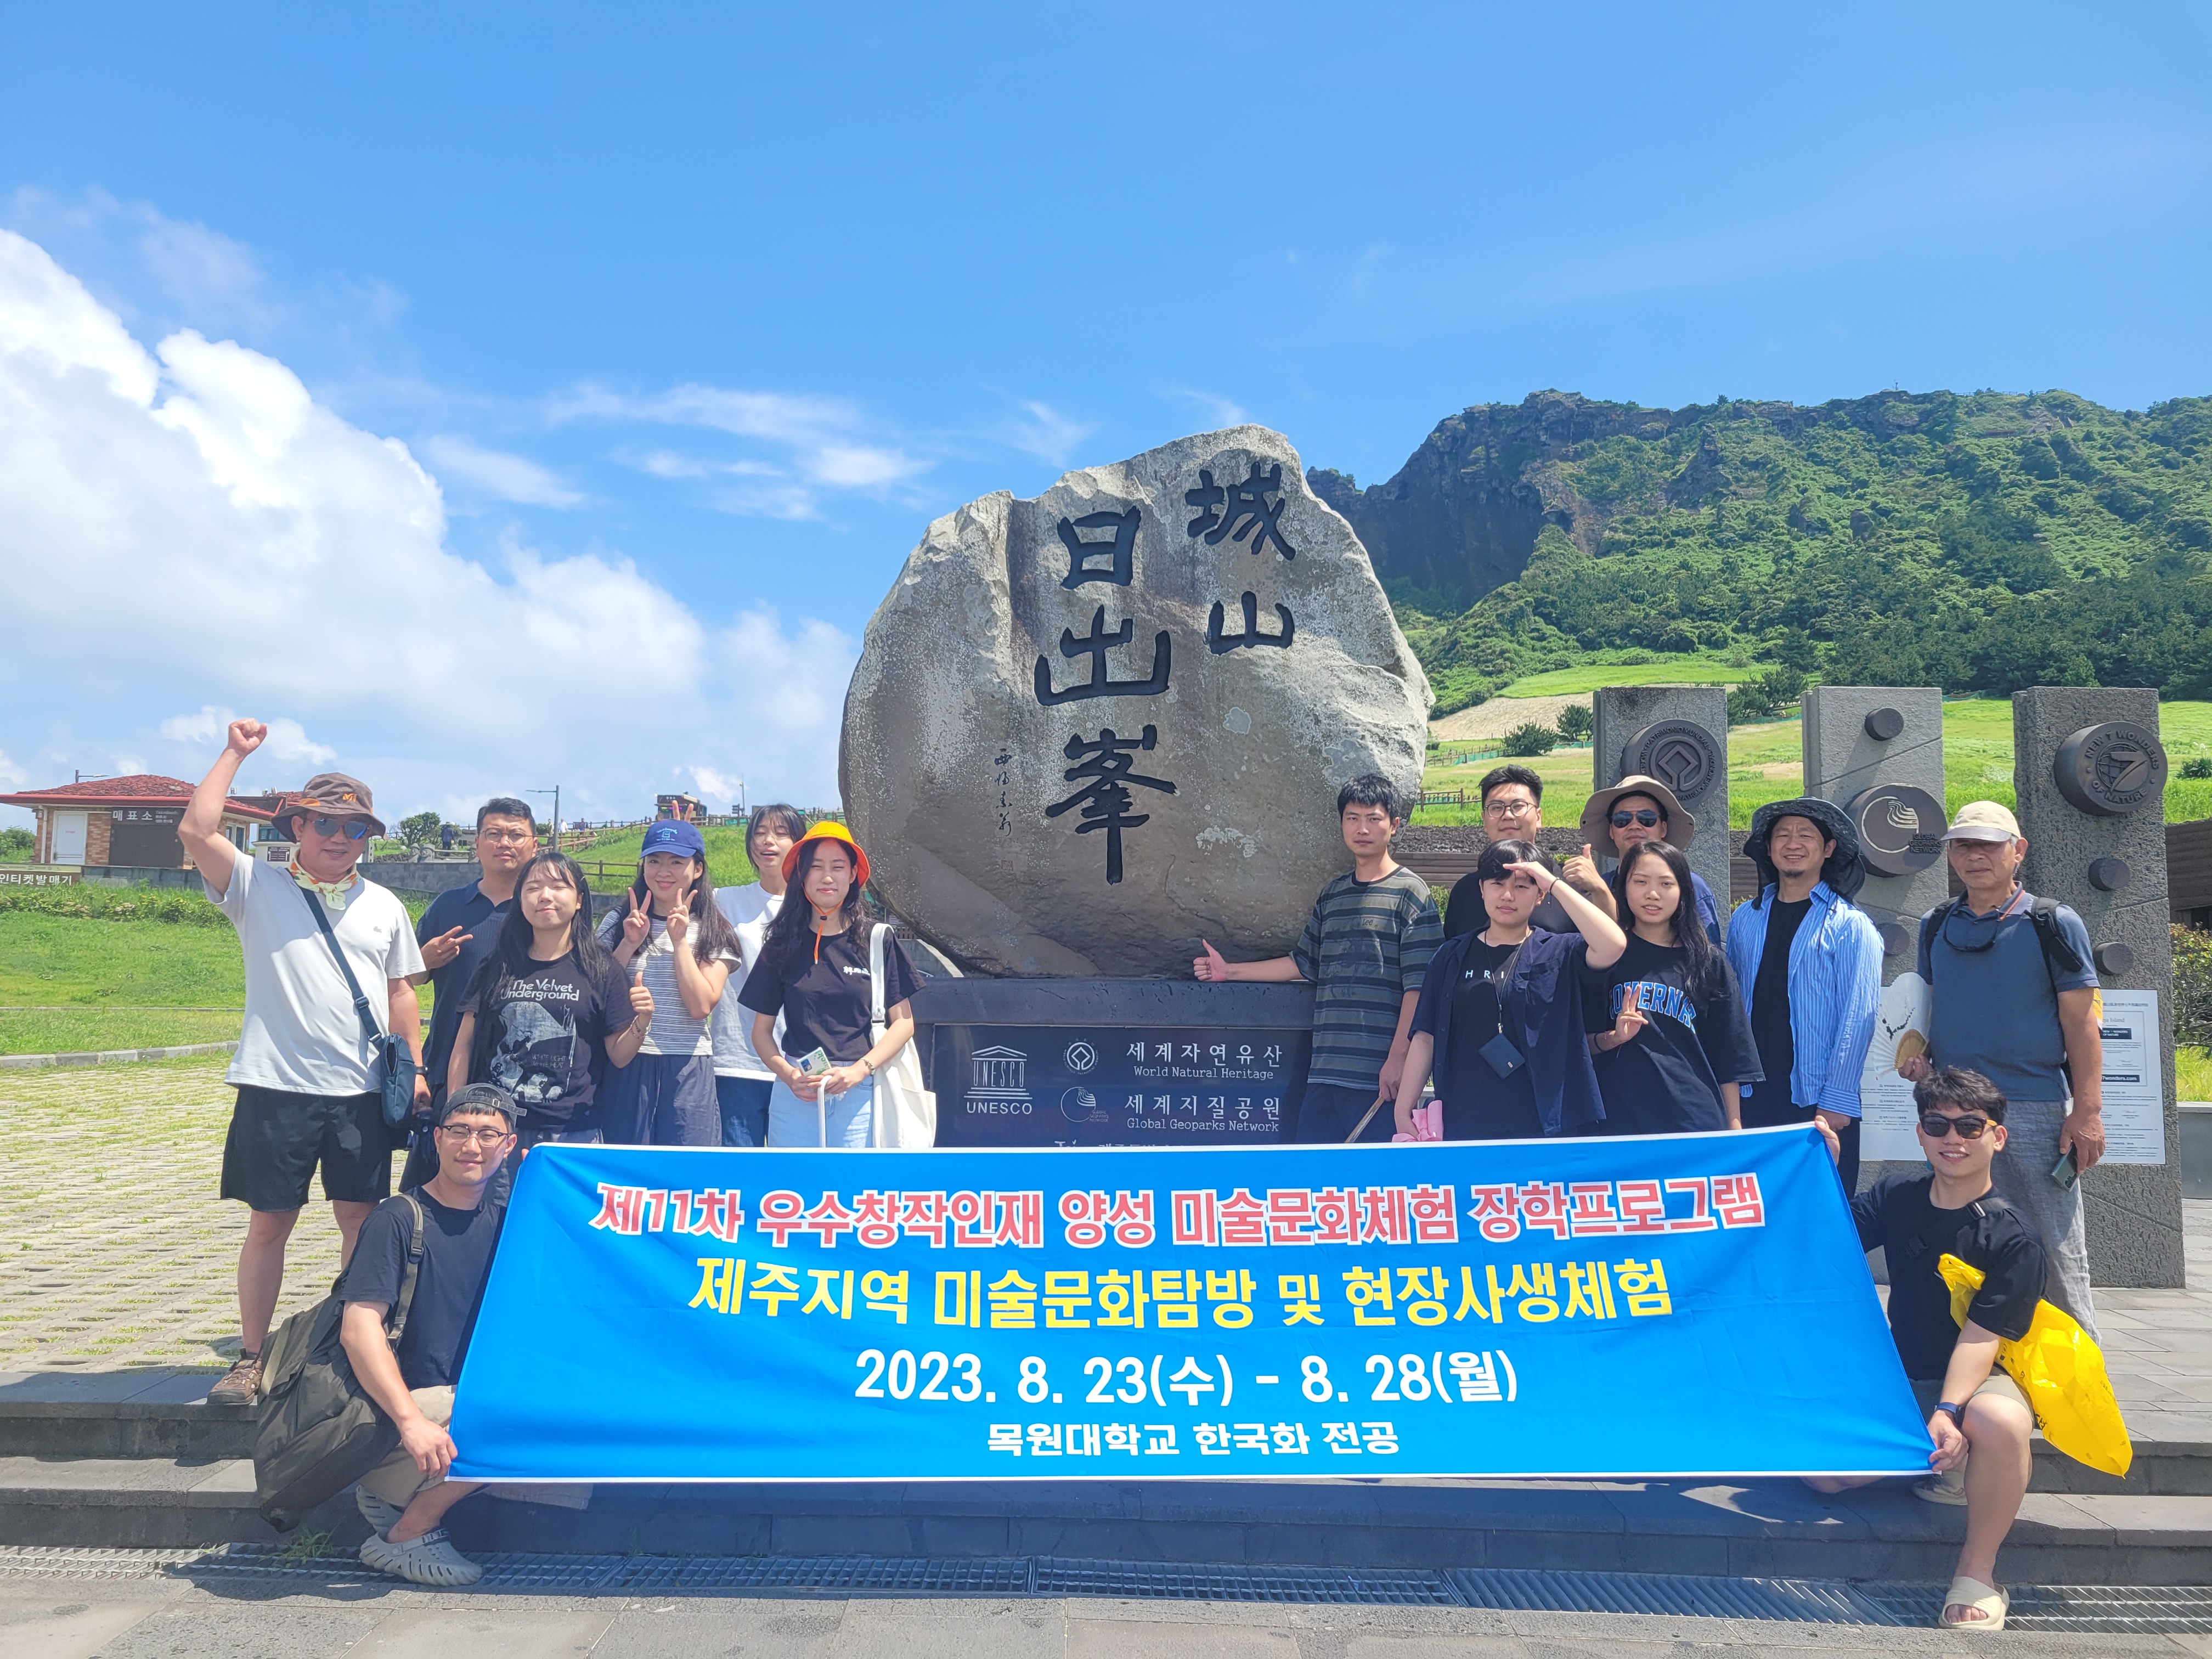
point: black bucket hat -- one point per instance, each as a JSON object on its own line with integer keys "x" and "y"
{"x": 1845, "y": 871}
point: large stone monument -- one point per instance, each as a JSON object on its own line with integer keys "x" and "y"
{"x": 1679, "y": 735}
{"x": 1877, "y": 752}
{"x": 2089, "y": 775}
{"x": 1090, "y": 729}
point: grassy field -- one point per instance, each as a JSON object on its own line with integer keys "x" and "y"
{"x": 1701, "y": 669}
{"x": 2193, "y": 1073}
{"x": 1765, "y": 762}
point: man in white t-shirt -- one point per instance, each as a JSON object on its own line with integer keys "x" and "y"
{"x": 742, "y": 1080}
{"x": 309, "y": 1083}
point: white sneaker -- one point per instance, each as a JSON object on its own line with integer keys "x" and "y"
{"x": 430, "y": 1560}
{"x": 381, "y": 1516}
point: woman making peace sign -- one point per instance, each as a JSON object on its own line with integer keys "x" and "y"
{"x": 673, "y": 938}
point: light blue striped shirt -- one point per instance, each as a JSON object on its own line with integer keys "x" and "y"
{"x": 1835, "y": 988}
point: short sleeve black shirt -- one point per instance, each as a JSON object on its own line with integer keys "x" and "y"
{"x": 825, "y": 1003}
{"x": 1479, "y": 1104}
{"x": 457, "y": 1252}
{"x": 1896, "y": 1212}
{"x": 543, "y": 1039}
{"x": 1667, "y": 1078}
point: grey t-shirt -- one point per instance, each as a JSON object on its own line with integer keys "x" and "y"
{"x": 1995, "y": 1011}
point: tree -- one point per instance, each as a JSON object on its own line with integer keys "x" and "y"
{"x": 1577, "y": 723}
{"x": 1530, "y": 739}
{"x": 420, "y": 829}
{"x": 17, "y": 843}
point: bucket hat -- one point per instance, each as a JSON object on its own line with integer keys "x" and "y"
{"x": 828, "y": 831}
{"x": 331, "y": 794}
{"x": 1845, "y": 870}
{"x": 1681, "y": 823}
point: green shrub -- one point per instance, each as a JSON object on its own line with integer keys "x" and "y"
{"x": 1530, "y": 739}
{"x": 17, "y": 845}
{"x": 2199, "y": 767}
{"x": 181, "y": 906}
{"x": 2192, "y": 985}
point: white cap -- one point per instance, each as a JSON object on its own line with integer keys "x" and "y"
{"x": 1983, "y": 820}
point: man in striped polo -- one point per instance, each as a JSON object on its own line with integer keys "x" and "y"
{"x": 1366, "y": 949}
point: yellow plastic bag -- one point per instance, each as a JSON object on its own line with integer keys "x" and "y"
{"x": 2061, "y": 1371}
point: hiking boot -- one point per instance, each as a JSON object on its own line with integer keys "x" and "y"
{"x": 240, "y": 1384}
{"x": 381, "y": 1516}
{"x": 429, "y": 1560}
{"x": 1947, "y": 1488}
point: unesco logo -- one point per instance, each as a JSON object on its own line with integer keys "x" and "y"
{"x": 2111, "y": 770}
{"x": 1080, "y": 1057}
{"x": 1681, "y": 754}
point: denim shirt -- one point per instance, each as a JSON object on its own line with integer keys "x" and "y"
{"x": 1835, "y": 988}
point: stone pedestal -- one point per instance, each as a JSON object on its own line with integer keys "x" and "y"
{"x": 1877, "y": 751}
{"x": 2109, "y": 863}
{"x": 1679, "y": 735}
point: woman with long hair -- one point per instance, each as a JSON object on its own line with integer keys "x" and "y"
{"x": 1500, "y": 1018}
{"x": 673, "y": 938}
{"x": 814, "y": 970}
{"x": 549, "y": 1015}
{"x": 1672, "y": 1042}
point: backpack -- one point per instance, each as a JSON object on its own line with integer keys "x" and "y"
{"x": 2059, "y": 956}
{"x": 319, "y": 1430}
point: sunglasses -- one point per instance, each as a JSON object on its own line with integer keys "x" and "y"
{"x": 353, "y": 828}
{"x": 1645, "y": 817}
{"x": 1935, "y": 1126}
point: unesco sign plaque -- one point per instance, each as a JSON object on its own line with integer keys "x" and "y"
{"x": 2111, "y": 769}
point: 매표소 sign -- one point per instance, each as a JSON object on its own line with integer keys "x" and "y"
{"x": 1662, "y": 1306}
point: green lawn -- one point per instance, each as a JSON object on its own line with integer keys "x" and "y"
{"x": 2193, "y": 1073}
{"x": 1701, "y": 669}
{"x": 1765, "y": 762}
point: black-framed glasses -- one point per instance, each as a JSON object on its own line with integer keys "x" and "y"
{"x": 1935, "y": 1126}
{"x": 463, "y": 1134}
{"x": 1645, "y": 815}
{"x": 352, "y": 828}
{"x": 1511, "y": 807}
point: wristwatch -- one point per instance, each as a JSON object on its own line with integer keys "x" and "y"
{"x": 1957, "y": 1414}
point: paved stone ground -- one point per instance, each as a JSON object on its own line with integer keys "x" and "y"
{"x": 114, "y": 1249}
{"x": 54, "y": 1618}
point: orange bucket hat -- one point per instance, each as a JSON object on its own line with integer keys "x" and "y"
{"x": 827, "y": 831}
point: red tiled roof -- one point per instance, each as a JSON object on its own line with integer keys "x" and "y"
{"x": 138, "y": 790}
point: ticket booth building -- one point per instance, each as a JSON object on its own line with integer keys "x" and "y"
{"x": 126, "y": 823}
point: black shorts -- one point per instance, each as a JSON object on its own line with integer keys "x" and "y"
{"x": 277, "y": 1139}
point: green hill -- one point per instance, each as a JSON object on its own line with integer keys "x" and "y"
{"x": 1979, "y": 543}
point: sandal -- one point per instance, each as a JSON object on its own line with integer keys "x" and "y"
{"x": 1971, "y": 1593}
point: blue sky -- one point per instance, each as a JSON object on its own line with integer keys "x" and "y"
{"x": 693, "y": 319}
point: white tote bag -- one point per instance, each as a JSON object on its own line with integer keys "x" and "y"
{"x": 906, "y": 1113}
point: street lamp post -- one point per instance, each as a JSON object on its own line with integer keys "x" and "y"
{"x": 553, "y": 843}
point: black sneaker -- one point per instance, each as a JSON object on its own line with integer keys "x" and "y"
{"x": 240, "y": 1384}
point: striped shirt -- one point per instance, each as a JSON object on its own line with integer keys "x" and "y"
{"x": 673, "y": 1031}
{"x": 1364, "y": 947}
{"x": 1835, "y": 987}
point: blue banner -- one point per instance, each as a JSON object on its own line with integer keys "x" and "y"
{"x": 1657, "y": 1307}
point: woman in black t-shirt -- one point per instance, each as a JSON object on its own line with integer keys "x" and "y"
{"x": 549, "y": 1012}
{"x": 1671, "y": 1039}
{"x": 814, "y": 970}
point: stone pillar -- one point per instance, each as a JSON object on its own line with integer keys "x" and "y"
{"x": 1679, "y": 735}
{"x": 1877, "y": 751}
{"x": 2089, "y": 775}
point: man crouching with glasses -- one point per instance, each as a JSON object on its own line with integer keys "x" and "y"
{"x": 1978, "y": 1417}
{"x": 405, "y": 1498}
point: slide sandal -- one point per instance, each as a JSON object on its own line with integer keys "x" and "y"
{"x": 1987, "y": 1599}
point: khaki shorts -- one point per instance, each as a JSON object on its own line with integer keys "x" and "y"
{"x": 1997, "y": 1383}
{"x": 398, "y": 1482}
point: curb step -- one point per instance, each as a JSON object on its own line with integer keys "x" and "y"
{"x": 1772, "y": 1528}
{"x": 115, "y": 1056}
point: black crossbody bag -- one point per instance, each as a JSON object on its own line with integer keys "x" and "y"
{"x": 399, "y": 1061}
{"x": 1501, "y": 1054}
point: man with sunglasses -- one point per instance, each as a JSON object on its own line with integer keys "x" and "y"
{"x": 405, "y": 1499}
{"x": 1512, "y": 799}
{"x": 1640, "y": 809}
{"x": 1977, "y": 1417}
{"x": 2012, "y": 992}
{"x": 309, "y": 1086}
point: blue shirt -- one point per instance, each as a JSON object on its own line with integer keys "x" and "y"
{"x": 1835, "y": 988}
{"x": 1995, "y": 1011}
{"x": 470, "y": 910}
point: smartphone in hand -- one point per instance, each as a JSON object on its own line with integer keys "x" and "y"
{"x": 815, "y": 1064}
{"x": 2066, "y": 1171}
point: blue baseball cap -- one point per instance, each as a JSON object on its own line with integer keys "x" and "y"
{"x": 674, "y": 836}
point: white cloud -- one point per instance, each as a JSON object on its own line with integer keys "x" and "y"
{"x": 509, "y": 477}
{"x": 241, "y": 545}
{"x": 208, "y": 729}
{"x": 1214, "y": 410}
{"x": 1044, "y": 432}
{"x": 199, "y": 268}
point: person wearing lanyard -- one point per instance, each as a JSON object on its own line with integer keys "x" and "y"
{"x": 1500, "y": 1018}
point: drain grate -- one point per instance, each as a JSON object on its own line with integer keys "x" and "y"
{"x": 91, "y": 1563}
{"x": 1800, "y": 1600}
{"x": 2088, "y": 1609}
{"x": 1176, "y": 1582}
{"x": 849, "y": 1575}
